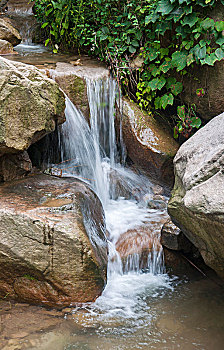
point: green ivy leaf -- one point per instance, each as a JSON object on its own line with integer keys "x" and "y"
{"x": 152, "y": 18}
{"x": 132, "y": 49}
{"x": 176, "y": 14}
{"x": 135, "y": 43}
{"x": 165, "y": 66}
{"x": 157, "y": 103}
{"x": 202, "y": 52}
{"x": 165, "y": 7}
{"x": 44, "y": 25}
{"x": 154, "y": 70}
{"x": 48, "y": 11}
{"x": 170, "y": 82}
{"x": 207, "y": 24}
{"x": 181, "y": 112}
{"x": 219, "y": 53}
{"x": 167, "y": 100}
{"x": 157, "y": 83}
{"x": 210, "y": 59}
{"x": 195, "y": 122}
{"x": 190, "y": 59}
{"x": 47, "y": 42}
{"x": 190, "y": 20}
{"x": 177, "y": 88}
{"x": 179, "y": 60}
{"x": 220, "y": 41}
{"x": 152, "y": 54}
{"x": 219, "y": 26}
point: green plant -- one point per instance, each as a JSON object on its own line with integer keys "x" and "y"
{"x": 29, "y": 277}
{"x": 169, "y": 36}
{"x": 186, "y": 121}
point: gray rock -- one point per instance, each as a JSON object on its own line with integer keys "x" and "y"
{"x": 197, "y": 202}
{"x": 30, "y": 106}
{"x": 53, "y": 249}
{"x": 156, "y": 204}
{"x": 9, "y": 33}
{"x": 173, "y": 238}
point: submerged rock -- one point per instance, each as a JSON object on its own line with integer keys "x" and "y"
{"x": 148, "y": 144}
{"x": 9, "y": 33}
{"x": 197, "y": 202}
{"x": 140, "y": 248}
{"x": 53, "y": 249}
{"x": 30, "y": 106}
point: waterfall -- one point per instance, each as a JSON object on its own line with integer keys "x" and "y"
{"x": 89, "y": 151}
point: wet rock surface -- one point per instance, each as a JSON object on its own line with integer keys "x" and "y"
{"x": 135, "y": 245}
{"x": 148, "y": 144}
{"x": 30, "y": 106}
{"x": 197, "y": 202}
{"x": 9, "y": 33}
{"x": 53, "y": 249}
{"x": 71, "y": 78}
{"x": 5, "y": 47}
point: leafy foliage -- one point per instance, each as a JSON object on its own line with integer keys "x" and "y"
{"x": 167, "y": 35}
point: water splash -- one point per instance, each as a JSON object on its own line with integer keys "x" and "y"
{"x": 89, "y": 151}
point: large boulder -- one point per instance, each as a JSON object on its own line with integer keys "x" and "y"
{"x": 30, "y": 106}
{"x": 197, "y": 202}
{"x": 53, "y": 249}
{"x": 9, "y": 33}
{"x": 148, "y": 144}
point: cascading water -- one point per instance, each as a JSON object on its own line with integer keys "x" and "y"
{"x": 89, "y": 151}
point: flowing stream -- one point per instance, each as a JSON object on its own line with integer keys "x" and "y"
{"x": 141, "y": 307}
{"x": 89, "y": 151}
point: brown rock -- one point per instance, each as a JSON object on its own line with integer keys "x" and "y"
{"x": 211, "y": 80}
{"x": 14, "y": 166}
{"x": 9, "y": 33}
{"x": 51, "y": 252}
{"x": 140, "y": 241}
{"x": 5, "y": 47}
{"x": 208, "y": 78}
{"x": 148, "y": 144}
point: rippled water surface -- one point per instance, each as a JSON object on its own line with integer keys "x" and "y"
{"x": 134, "y": 312}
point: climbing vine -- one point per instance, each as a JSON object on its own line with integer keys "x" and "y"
{"x": 149, "y": 45}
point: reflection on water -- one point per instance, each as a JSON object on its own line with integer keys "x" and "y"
{"x": 155, "y": 313}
